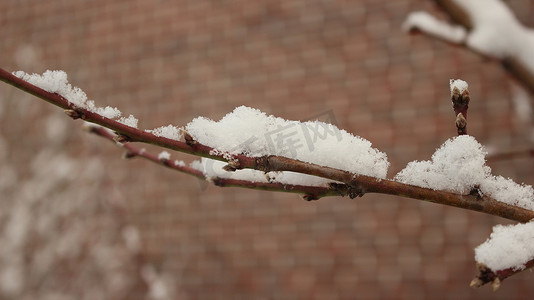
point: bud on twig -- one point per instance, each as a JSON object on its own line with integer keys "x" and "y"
{"x": 120, "y": 138}
{"x": 460, "y": 102}
{"x": 461, "y": 123}
{"x": 232, "y": 166}
{"x": 496, "y": 284}
{"x": 73, "y": 114}
{"x": 189, "y": 139}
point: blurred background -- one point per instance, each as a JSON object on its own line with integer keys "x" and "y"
{"x": 78, "y": 222}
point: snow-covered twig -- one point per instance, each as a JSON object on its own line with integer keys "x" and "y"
{"x": 508, "y": 251}
{"x": 485, "y": 275}
{"x": 356, "y": 184}
{"x": 486, "y": 27}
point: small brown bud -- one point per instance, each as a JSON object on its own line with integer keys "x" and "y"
{"x": 73, "y": 114}
{"x": 476, "y": 283}
{"x": 189, "y": 139}
{"x": 120, "y": 138}
{"x": 461, "y": 122}
{"x": 496, "y": 284}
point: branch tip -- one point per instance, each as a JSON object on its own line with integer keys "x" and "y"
{"x": 460, "y": 103}
{"x": 121, "y": 138}
{"x": 476, "y": 283}
{"x": 496, "y": 284}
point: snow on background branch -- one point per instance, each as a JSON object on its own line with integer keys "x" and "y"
{"x": 62, "y": 234}
{"x": 487, "y": 27}
{"x": 491, "y": 30}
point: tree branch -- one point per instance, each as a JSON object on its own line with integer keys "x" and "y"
{"x": 460, "y": 104}
{"x": 309, "y": 192}
{"x": 516, "y": 64}
{"x": 357, "y": 184}
{"x": 486, "y": 275}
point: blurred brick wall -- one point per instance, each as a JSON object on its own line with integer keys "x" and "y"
{"x": 169, "y": 61}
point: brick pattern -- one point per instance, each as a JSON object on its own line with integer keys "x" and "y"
{"x": 169, "y": 61}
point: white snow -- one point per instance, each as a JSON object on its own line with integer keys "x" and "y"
{"x": 130, "y": 121}
{"x": 56, "y": 82}
{"x": 458, "y": 84}
{"x": 495, "y": 30}
{"x": 170, "y": 131}
{"x": 253, "y": 133}
{"x": 179, "y": 163}
{"x": 164, "y": 155}
{"x": 425, "y": 21}
{"x": 521, "y": 103}
{"x": 458, "y": 166}
{"x": 509, "y": 246}
{"x": 214, "y": 169}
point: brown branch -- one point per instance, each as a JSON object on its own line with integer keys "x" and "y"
{"x": 358, "y": 184}
{"x": 129, "y": 133}
{"x": 460, "y": 16}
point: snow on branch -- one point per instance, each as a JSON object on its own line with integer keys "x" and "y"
{"x": 509, "y": 250}
{"x": 332, "y": 163}
{"x": 205, "y": 169}
{"x": 356, "y": 181}
{"x": 421, "y": 21}
{"x": 252, "y": 132}
{"x": 487, "y": 27}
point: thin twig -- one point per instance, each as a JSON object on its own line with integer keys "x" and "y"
{"x": 460, "y": 104}
{"x": 459, "y": 15}
{"x": 308, "y": 192}
{"x": 486, "y": 275}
